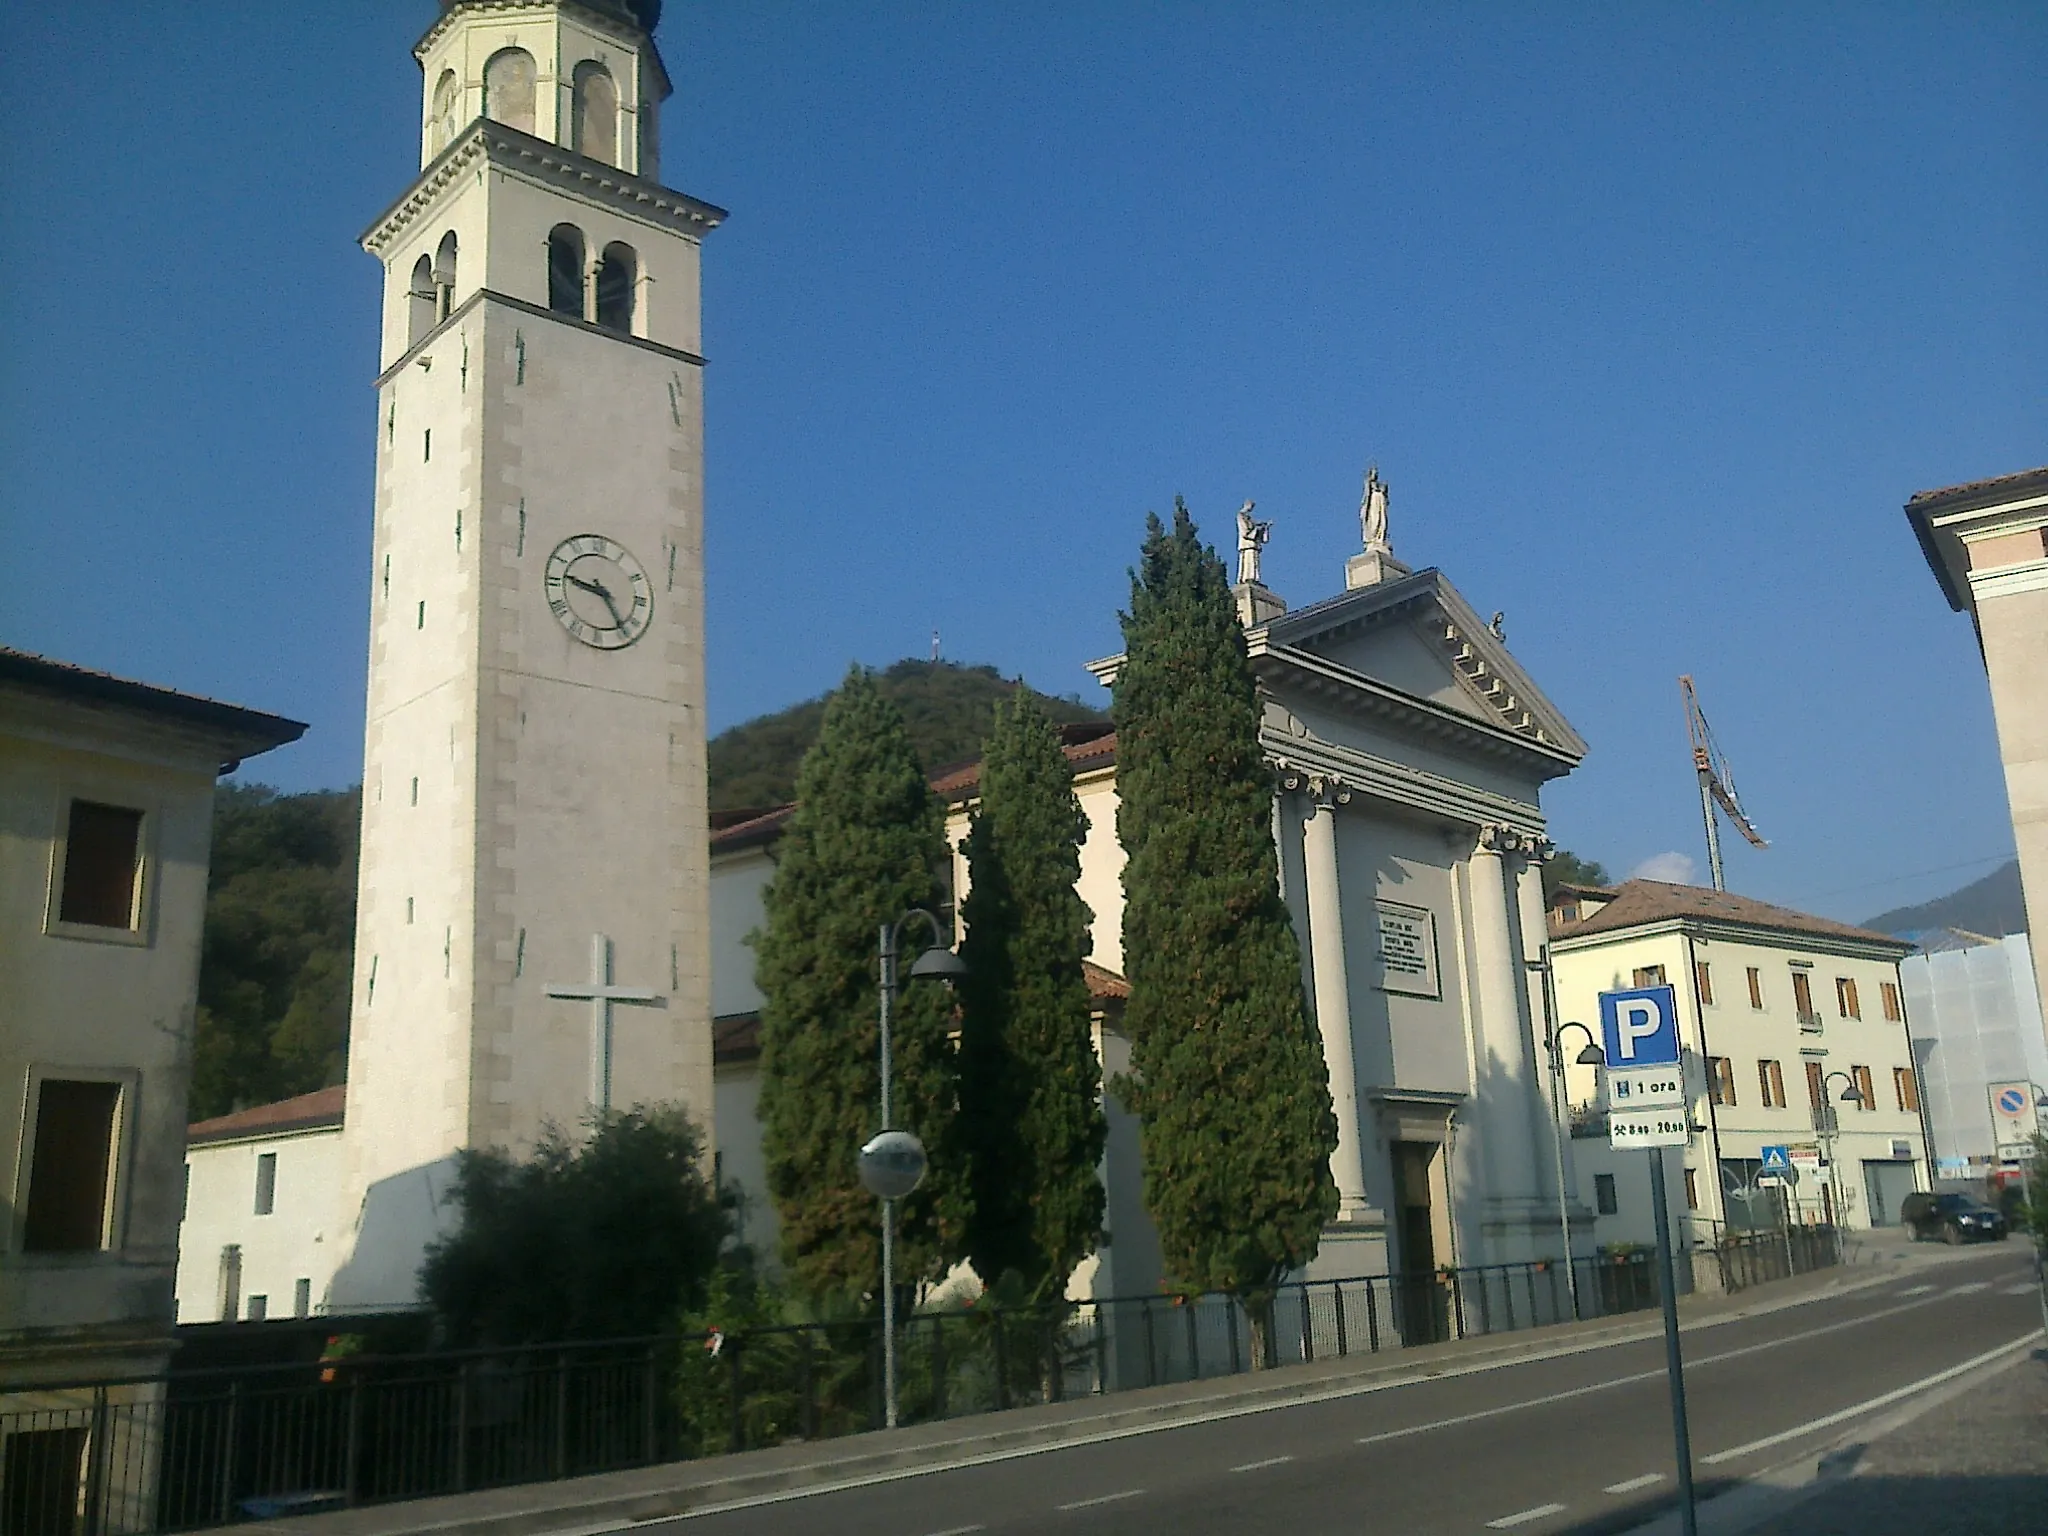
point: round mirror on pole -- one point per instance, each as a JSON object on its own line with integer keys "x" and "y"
{"x": 892, "y": 1165}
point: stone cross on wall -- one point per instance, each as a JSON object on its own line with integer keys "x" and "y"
{"x": 602, "y": 995}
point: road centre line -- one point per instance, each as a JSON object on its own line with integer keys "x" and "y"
{"x": 1563, "y": 1351}
{"x": 1647, "y": 1480}
{"x": 1101, "y": 1498}
{"x": 1259, "y": 1466}
{"x": 1971, "y": 1289}
{"x": 1624, "y": 1381}
{"x": 2025, "y": 1287}
{"x": 1916, "y": 1290}
{"x": 2025, "y": 1341}
{"x": 958, "y": 1530}
{"x": 1508, "y": 1522}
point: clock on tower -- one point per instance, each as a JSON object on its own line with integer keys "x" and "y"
{"x": 534, "y": 743}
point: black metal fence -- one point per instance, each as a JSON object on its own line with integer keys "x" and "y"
{"x": 208, "y": 1448}
{"x": 1755, "y": 1258}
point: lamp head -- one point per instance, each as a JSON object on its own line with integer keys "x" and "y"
{"x": 1592, "y": 1055}
{"x": 938, "y": 964}
{"x": 1852, "y": 1095}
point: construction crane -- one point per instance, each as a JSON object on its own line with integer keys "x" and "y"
{"x": 1717, "y": 783}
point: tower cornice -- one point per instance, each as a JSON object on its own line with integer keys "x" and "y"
{"x": 486, "y": 143}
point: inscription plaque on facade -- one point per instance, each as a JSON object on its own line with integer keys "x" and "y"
{"x": 1407, "y": 950}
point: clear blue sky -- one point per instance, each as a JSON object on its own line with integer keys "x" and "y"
{"x": 1653, "y": 317}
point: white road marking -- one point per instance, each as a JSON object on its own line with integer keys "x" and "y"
{"x": 1647, "y": 1480}
{"x": 1916, "y": 1290}
{"x": 959, "y": 1530}
{"x": 1257, "y": 1466}
{"x": 1346, "y": 1392}
{"x": 1101, "y": 1498}
{"x": 2026, "y": 1341}
{"x": 1506, "y": 1522}
{"x": 1965, "y": 1290}
{"x": 2024, "y": 1288}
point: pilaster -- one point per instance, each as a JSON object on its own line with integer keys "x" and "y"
{"x": 1333, "y": 990}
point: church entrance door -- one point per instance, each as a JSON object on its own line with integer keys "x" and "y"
{"x": 1425, "y": 1311}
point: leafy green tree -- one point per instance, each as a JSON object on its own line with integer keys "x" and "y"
{"x": 865, "y": 844}
{"x": 1567, "y": 868}
{"x": 1031, "y": 1119}
{"x": 1228, "y": 1076}
{"x": 598, "y": 1241}
{"x": 275, "y": 957}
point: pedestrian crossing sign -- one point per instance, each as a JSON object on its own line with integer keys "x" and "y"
{"x": 1777, "y": 1164}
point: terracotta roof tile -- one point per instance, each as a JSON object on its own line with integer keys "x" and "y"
{"x": 1637, "y": 902}
{"x": 309, "y": 1111}
{"x": 1973, "y": 489}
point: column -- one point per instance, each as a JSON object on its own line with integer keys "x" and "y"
{"x": 1333, "y": 990}
{"x": 1505, "y": 1089}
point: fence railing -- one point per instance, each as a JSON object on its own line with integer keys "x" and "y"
{"x": 1757, "y": 1257}
{"x": 207, "y": 1448}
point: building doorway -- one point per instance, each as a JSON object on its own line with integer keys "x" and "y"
{"x": 1885, "y": 1186}
{"x": 1425, "y": 1316}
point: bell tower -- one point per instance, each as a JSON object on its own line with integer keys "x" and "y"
{"x": 534, "y": 827}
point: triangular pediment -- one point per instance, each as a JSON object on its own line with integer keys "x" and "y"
{"x": 1418, "y": 637}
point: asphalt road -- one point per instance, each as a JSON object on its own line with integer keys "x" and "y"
{"x": 1578, "y": 1443}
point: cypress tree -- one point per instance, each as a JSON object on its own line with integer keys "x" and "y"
{"x": 1228, "y": 1077}
{"x": 1031, "y": 1118}
{"x": 865, "y": 844}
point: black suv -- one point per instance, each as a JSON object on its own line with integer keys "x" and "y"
{"x": 1952, "y": 1218}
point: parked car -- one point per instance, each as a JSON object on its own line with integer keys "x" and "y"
{"x": 1952, "y": 1218}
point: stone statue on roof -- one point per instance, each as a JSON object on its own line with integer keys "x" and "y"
{"x": 1251, "y": 538}
{"x": 1372, "y": 513}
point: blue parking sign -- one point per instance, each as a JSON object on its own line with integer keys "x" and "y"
{"x": 1639, "y": 1027}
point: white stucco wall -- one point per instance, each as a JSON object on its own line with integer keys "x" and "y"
{"x": 296, "y": 1241}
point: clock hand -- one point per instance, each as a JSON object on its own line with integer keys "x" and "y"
{"x": 603, "y": 593}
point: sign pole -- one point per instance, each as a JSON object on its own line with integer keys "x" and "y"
{"x": 1673, "y": 1361}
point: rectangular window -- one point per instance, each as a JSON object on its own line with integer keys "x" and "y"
{"x": 302, "y": 1297}
{"x": 1845, "y": 998}
{"x": 1888, "y": 995}
{"x": 1869, "y": 1095}
{"x": 1603, "y": 1194}
{"x": 70, "y": 1174}
{"x": 1756, "y": 987}
{"x": 185, "y": 1195}
{"x": 1649, "y": 975}
{"x": 1692, "y": 1191}
{"x": 259, "y": 1308}
{"x": 1907, "y": 1089}
{"x": 1704, "y": 976}
{"x": 1720, "y": 1080}
{"x": 266, "y": 1186}
{"x": 1771, "y": 1081}
{"x": 1802, "y": 997}
{"x": 102, "y": 858}
{"x": 1815, "y": 1089}
{"x": 42, "y": 1478}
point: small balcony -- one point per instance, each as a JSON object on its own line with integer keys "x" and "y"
{"x": 1810, "y": 1024}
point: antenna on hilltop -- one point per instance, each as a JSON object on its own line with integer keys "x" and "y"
{"x": 1717, "y": 783}
{"x": 935, "y": 645}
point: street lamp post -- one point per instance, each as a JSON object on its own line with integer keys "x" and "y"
{"x": 1589, "y": 1056}
{"x": 893, "y": 1163}
{"x": 1850, "y": 1095}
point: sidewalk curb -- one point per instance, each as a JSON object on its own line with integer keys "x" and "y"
{"x": 668, "y": 1490}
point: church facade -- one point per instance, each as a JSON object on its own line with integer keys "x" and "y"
{"x": 1409, "y": 751}
{"x": 533, "y": 799}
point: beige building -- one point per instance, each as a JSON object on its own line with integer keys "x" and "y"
{"x": 106, "y": 824}
{"x": 1987, "y": 544}
{"x": 1779, "y": 1013}
{"x": 533, "y": 795}
{"x": 1409, "y": 750}
{"x": 257, "y": 1239}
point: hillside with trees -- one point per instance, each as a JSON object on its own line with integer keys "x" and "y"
{"x": 947, "y": 708}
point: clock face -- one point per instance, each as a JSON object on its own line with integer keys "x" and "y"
{"x": 598, "y": 591}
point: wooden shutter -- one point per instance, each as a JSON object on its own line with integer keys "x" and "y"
{"x": 1705, "y": 977}
{"x": 1756, "y": 987}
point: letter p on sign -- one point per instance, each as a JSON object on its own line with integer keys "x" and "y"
{"x": 1639, "y": 1028}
